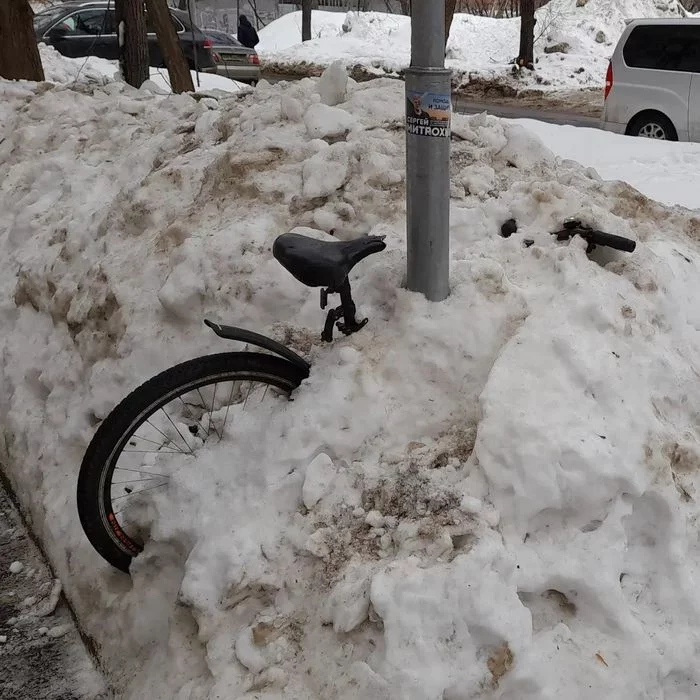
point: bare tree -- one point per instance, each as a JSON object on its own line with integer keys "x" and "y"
{"x": 133, "y": 44}
{"x": 19, "y": 53}
{"x": 527, "y": 34}
{"x": 306, "y": 20}
{"x": 254, "y": 9}
{"x": 169, "y": 42}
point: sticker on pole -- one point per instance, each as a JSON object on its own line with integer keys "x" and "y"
{"x": 428, "y": 114}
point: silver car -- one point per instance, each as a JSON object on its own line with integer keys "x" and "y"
{"x": 652, "y": 88}
{"x": 232, "y": 59}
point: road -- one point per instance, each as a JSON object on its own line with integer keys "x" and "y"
{"x": 514, "y": 112}
{"x": 42, "y": 656}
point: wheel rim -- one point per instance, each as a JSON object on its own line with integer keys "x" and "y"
{"x": 652, "y": 130}
{"x": 168, "y": 433}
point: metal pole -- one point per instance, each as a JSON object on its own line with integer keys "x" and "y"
{"x": 428, "y": 111}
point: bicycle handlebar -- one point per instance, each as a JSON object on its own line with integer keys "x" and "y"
{"x": 595, "y": 237}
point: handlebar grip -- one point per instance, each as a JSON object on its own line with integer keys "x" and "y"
{"x": 612, "y": 241}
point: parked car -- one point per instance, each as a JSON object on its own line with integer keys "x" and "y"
{"x": 652, "y": 88}
{"x": 78, "y": 29}
{"x": 232, "y": 59}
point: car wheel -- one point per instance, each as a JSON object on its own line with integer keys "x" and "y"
{"x": 653, "y": 126}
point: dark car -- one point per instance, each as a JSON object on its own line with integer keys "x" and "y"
{"x": 232, "y": 59}
{"x": 78, "y": 29}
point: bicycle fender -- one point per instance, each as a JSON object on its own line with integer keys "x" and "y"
{"x": 261, "y": 341}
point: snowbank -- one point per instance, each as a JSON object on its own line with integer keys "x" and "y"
{"x": 480, "y": 48}
{"x": 203, "y": 82}
{"x": 495, "y": 496}
{"x": 63, "y": 70}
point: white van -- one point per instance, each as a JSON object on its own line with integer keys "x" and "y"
{"x": 652, "y": 88}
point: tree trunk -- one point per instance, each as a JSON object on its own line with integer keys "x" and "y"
{"x": 170, "y": 47}
{"x": 306, "y": 20}
{"x": 450, "y": 6}
{"x": 19, "y": 53}
{"x": 405, "y": 7}
{"x": 133, "y": 44}
{"x": 527, "y": 34}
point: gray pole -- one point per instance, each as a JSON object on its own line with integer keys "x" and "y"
{"x": 428, "y": 110}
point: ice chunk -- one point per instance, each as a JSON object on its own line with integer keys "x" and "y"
{"x": 333, "y": 84}
{"x": 291, "y": 108}
{"x": 326, "y": 172}
{"x": 248, "y": 654}
{"x": 323, "y": 121}
{"x": 319, "y": 477}
{"x": 348, "y": 604}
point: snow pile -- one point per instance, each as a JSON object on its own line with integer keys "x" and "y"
{"x": 61, "y": 69}
{"x": 285, "y": 32}
{"x": 91, "y": 69}
{"x": 480, "y": 48}
{"x": 495, "y": 496}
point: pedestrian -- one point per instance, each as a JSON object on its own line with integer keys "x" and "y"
{"x": 246, "y": 33}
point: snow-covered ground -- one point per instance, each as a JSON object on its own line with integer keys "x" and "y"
{"x": 668, "y": 173}
{"x": 490, "y": 497}
{"x": 480, "y": 48}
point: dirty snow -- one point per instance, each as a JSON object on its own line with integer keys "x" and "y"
{"x": 491, "y": 497}
{"x": 480, "y": 48}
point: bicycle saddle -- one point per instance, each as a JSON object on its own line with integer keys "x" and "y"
{"x": 323, "y": 263}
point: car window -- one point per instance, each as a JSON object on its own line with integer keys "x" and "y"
{"x": 48, "y": 17}
{"x": 176, "y": 23}
{"x": 220, "y": 38}
{"x": 87, "y": 23}
{"x": 664, "y": 47}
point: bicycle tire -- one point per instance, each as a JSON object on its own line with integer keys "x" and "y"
{"x": 94, "y": 481}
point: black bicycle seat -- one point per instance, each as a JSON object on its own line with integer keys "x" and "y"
{"x": 323, "y": 263}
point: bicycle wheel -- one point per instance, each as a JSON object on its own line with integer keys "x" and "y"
{"x": 159, "y": 427}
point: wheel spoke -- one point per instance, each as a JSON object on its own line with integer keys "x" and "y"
{"x": 211, "y": 413}
{"x": 136, "y": 481}
{"x": 139, "y": 471}
{"x": 189, "y": 449}
{"x": 175, "y": 445}
{"x": 189, "y": 410}
{"x": 154, "y": 452}
{"x": 204, "y": 407}
{"x": 250, "y": 389}
{"x": 136, "y": 493}
{"x": 153, "y": 442}
{"x": 228, "y": 407}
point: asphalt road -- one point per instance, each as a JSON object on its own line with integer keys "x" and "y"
{"x": 42, "y": 656}
{"x": 513, "y": 112}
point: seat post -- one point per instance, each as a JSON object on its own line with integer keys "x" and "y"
{"x": 342, "y": 316}
{"x": 347, "y": 304}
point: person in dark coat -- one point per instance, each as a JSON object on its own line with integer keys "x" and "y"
{"x": 246, "y": 33}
